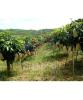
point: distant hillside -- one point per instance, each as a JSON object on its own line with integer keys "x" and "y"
{"x": 25, "y": 32}
{"x": 21, "y": 33}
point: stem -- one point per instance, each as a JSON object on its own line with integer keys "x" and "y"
{"x": 73, "y": 64}
{"x": 8, "y": 67}
{"x": 76, "y": 55}
{"x": 21, "y": 64}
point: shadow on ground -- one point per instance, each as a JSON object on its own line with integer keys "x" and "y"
{"x": 4, "y": 76}
{"x": 67, "y": 70}
{"x": 57, "y": 56}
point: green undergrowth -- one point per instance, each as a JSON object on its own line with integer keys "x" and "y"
{"x": 48, "y": 64}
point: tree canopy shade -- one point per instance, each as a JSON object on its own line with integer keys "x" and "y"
{"x": 9, "y": 46}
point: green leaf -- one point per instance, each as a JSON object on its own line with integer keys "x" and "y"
{"x": 7, "y": 48}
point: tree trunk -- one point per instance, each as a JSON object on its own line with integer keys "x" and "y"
{"x": 8, "y": 67}
{"x": 67, "y": 54}
{"x": 76, "y": 55}
{"x": 73, "y": 64}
